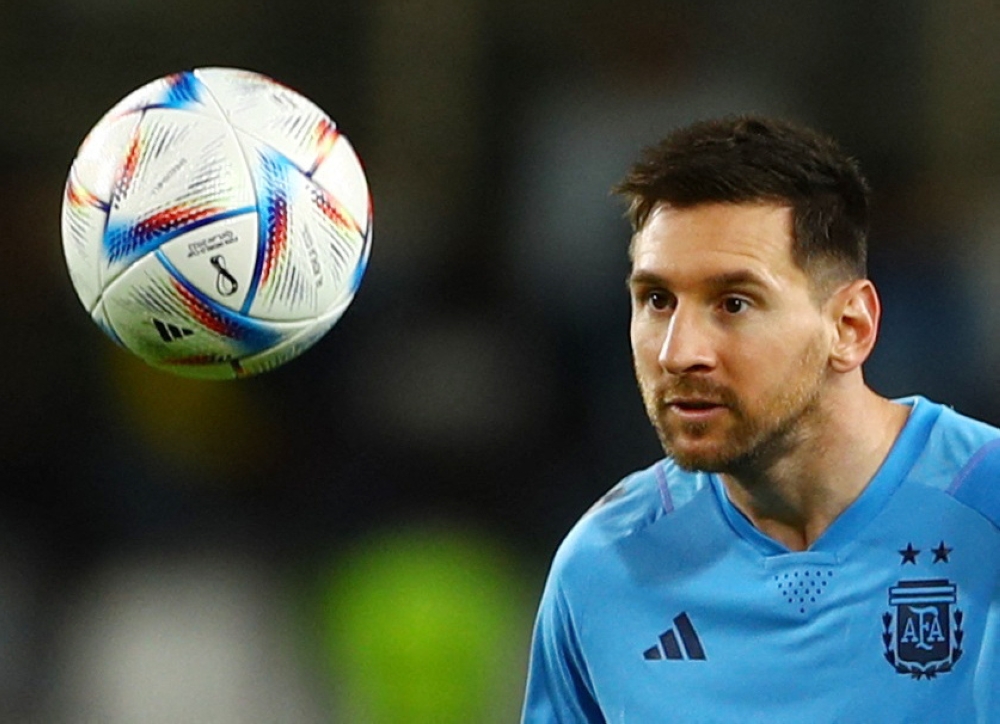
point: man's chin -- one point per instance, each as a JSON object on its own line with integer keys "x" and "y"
{"x": 695, "y": 463}
{"x": 702, "y": 458}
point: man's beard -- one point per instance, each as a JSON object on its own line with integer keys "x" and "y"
{"x": 753, "y": 440}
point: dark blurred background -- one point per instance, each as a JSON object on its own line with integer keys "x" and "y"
{"x": 361, "y": 536}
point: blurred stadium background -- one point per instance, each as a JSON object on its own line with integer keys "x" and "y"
{"x": 362, "y": 535}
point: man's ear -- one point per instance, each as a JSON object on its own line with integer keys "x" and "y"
{"x": 855, "y": 311}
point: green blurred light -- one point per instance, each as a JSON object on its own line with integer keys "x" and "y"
{"x": 423, "y": 626}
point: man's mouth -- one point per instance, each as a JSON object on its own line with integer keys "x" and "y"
{"x": 694, "y": 409}
{"x": 693, "y": 404}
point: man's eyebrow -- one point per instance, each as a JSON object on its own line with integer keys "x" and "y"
{"x": 725, "y": 280}
{"x": 642, "y": 278}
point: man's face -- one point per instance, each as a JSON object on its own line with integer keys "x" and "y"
{"x": 730, "y": 348}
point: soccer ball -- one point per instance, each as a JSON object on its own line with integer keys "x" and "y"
{"x": 216, "y": 223}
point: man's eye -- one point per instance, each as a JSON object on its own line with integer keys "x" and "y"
{"x": 735, "y": 305}
{"x": 658, "y": 300}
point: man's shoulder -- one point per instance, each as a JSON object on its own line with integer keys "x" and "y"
{"x": 959, "y": 431}
{"x": 961, "y": 457}
{"x": 947, "y": 439}
{"x": 638, "y": 501}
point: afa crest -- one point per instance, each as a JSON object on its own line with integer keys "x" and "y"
{"x": 923, "y": 635}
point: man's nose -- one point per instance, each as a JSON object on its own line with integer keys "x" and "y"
{"x": 688, "y": 345}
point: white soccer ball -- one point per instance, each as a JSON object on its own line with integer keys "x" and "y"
{"x": 216, "y": 223}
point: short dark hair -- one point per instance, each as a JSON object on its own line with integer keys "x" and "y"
{"x": 750, "y": 158}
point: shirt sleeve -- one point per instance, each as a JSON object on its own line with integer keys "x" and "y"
{"x": 559, "y": 689}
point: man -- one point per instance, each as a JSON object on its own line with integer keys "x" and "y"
{"x": 808, "y": 551}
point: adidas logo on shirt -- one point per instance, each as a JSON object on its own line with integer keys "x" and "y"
{"x": 680, "y": 642}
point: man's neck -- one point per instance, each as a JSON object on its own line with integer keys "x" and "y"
{"x": 796, "y": 498}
